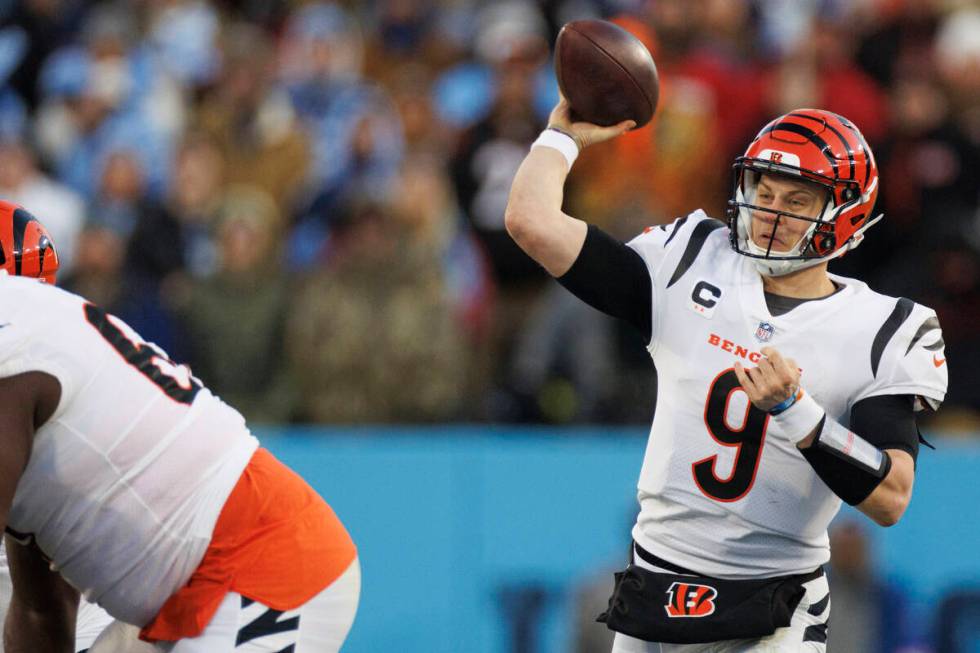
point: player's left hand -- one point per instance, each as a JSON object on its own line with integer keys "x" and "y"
{"x": 772, "y": 382}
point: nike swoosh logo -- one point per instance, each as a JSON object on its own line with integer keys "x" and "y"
{"x": 937, "y": 361}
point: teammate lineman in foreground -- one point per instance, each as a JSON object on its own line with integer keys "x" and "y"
{"x": 26, "y": 249}
{"x": 782, "y": 389}
{"x": 122, "y": 477}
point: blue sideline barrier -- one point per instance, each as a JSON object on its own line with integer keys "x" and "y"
{"x": 448, "y": 519}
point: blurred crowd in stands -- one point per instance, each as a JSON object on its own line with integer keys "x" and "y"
{"x": 305, "y": 199}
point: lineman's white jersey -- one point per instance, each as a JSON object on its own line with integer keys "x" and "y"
{"x": 722, "y": 490}
{"x": 126, "y": 479}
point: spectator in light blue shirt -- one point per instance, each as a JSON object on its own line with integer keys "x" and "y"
{"x": 103, "y": 96}
{"x": 355, "y": 127}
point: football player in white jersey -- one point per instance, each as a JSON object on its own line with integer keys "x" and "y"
{"x": 123, "y": 479}
{"x": 27, "y": 249}
{"x": 782, "y": 389}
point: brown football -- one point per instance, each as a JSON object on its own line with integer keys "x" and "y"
{"x": 606, "y": 73}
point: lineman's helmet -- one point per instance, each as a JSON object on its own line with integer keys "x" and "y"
{"x": 26, "y": 248}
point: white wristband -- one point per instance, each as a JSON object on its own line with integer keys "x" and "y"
{"x": 799, "y": 420}
{"x": 560, "y": 141}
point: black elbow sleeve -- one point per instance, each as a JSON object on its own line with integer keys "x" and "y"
{"x": 852, "y": 483}
{"x": 611, "y": 277}
{"x": 852, "y": 462}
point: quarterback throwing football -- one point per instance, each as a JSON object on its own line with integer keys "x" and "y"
{"x": 782, "y": 389}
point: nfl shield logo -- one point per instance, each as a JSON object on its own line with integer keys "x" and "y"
{"x": 764, "y": 332}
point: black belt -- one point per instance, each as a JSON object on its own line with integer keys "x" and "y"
{"x": 657, "y": 561}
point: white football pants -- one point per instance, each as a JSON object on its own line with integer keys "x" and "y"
{"x": 243, "y": 626}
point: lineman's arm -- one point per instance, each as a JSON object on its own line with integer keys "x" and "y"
{"x": 534, "y": 218}
{"x": 41, "y": 614}
{"x": 18, "y": 404}
{"x": 44, "y": 607}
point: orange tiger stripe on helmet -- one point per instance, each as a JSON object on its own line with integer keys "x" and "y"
{"x": 817, "y": 146}
{"x": 26, "y": 247}
{"x": 831, "y": 151}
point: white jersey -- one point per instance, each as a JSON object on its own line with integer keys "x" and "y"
{"x": 722, "y": 490}
{"x": 126, "y": 479}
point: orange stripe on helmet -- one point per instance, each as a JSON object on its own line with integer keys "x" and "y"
{"x": 26, "y": 247}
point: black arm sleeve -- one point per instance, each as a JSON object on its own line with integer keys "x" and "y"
{"x": 887, "y": 422}
{"x": 612, "y": 277}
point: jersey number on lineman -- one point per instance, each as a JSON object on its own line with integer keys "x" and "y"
{"x": 175, "y": 380}
{"x": 748, "y": 440}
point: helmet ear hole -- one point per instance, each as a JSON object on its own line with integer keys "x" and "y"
{"x": 825, "y": 242}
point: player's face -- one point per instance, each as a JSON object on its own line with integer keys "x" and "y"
{"x": 785, "y": 195}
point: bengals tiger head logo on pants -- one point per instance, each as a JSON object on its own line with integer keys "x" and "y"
{"x": 689, "y": 600}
